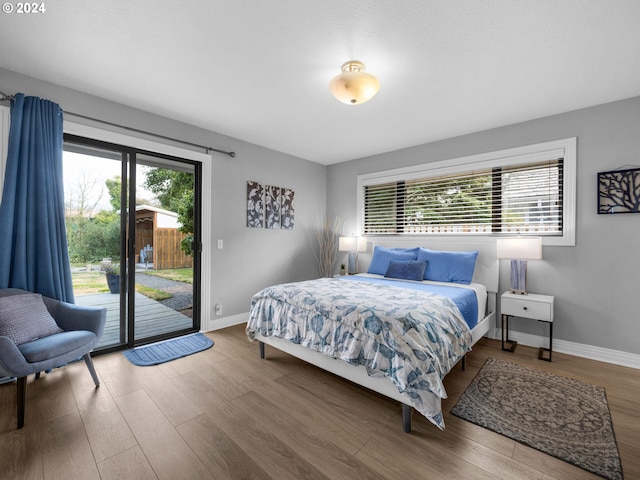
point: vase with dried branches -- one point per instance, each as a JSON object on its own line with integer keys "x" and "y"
{"x": 327, "y": 236}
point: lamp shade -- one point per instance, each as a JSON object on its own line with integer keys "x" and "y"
{"x": 520, "y": 248}
{"x": 352, "y": 244}
{"x": 348, "y": 244}
{"x": 354, "y": 86}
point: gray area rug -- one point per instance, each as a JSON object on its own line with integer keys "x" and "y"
{"x": 562, "y": 417}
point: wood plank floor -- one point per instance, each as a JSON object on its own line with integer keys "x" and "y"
{"x": 152, "y": 317}
{"x": 225, "y": 414}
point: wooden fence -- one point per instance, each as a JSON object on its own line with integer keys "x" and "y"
{"x": 167, "y": 252}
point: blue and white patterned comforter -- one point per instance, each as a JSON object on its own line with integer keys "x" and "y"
{"x": 412, "y": 337}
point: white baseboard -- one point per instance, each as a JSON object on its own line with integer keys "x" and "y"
{"x": 218, "y": 323}
{"x": 600, "y": 354}
{"x": 578, "y": 349}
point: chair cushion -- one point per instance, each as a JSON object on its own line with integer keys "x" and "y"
{"x": 25, "y": 317}
{"x": 56, "y": 345}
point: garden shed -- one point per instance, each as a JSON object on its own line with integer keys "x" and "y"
{"x": 158, "y": 239}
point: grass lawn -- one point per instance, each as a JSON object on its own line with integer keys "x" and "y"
{"x": 153, "y": 293}
{"x": 86, "y": 283}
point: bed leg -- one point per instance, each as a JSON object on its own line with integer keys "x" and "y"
{"x": 406, "y": 418}
{"x": 261, "y": 344}
{"x": 464, "y": 362}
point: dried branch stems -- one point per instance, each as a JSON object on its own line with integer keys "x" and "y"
{"x": 328, "y": 235}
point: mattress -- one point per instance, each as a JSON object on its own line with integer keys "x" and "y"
{"x": 471, "y": 299}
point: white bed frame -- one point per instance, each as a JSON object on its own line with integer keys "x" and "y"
{"x": 486, "y": 273}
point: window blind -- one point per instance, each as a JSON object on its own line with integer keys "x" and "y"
{"x": 524, "y": 199}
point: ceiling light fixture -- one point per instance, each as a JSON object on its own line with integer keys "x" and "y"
{"x": 354, "y": 86}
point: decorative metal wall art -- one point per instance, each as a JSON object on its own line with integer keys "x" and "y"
{"x": 619, "y": 191}
{"x": 269, "y": 206}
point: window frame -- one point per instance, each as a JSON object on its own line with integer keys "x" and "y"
{"x": 564, "y": 148}
{"x": 205, "y": 159}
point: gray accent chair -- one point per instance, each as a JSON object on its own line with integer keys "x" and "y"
{"x": 81, "y": 327}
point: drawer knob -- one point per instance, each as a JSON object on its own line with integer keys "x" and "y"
{"x": 524, "y": 308}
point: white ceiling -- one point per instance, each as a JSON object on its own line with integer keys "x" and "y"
{"x": 258, "y": 70}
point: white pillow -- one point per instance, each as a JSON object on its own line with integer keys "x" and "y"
{"x": 24, "y": 317}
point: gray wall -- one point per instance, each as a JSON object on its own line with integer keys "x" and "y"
{"x": 254, "y": 258}
{"x": 595, "y": 283}
{"x": 251, "y": 258}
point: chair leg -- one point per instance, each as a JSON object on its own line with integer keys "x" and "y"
{"x": 92, "y": 370}
{"x": 22, "y": 400}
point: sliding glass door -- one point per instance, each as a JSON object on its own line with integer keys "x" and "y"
{"x": 133, "y": 225}
{"x": 165, "y": 253}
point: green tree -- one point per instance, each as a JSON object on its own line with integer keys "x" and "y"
{"x": 174, "y": 191}
{"x": 80, "y": 205}
{"x": 449, "y": 201}
{"x": 114, "y": 187}
{"x": 101, "y": 238}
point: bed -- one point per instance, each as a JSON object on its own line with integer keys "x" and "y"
{"x": 397, "y": 330}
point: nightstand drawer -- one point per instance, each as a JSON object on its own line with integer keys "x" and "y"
{"x": 523, "y": 307}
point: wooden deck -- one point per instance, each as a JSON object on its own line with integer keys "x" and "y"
{"x": 152, "y": 318}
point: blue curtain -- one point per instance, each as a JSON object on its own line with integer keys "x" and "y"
{"x": 33, "y": 242}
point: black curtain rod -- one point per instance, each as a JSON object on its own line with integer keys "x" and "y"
{"x": 131, "y": 129}
{"x": 5, "y": 97}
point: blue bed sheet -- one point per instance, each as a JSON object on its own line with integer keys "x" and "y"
{"x": 464, "y": 298}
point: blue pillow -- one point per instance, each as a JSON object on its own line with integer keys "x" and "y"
{"x": 406, "y": 270}
{"x": 455, "y": 267}
{"x": 383, "y": 255}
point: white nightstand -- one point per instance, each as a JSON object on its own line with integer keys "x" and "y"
{"x": 536, "y": 307}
